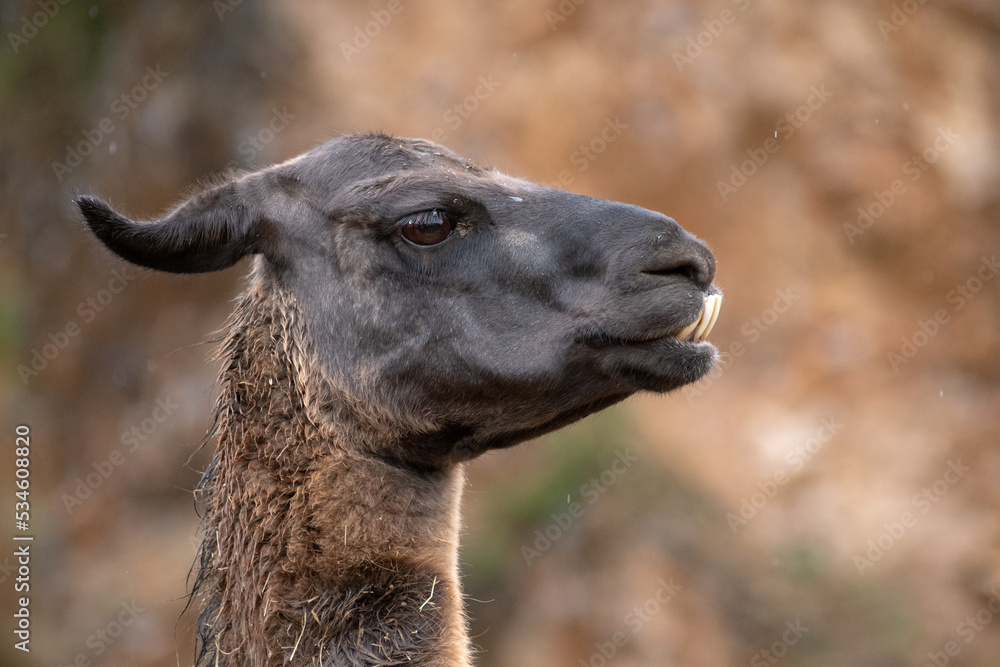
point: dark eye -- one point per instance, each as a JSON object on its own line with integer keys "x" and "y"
{"x": 427, "y": 228}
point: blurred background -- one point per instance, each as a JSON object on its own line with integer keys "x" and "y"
{"x": 828, "y": 496}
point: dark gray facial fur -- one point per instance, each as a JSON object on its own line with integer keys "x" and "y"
{"x": 541, "y": 306}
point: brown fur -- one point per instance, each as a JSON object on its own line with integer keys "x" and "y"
{"x": 311, "y": 545}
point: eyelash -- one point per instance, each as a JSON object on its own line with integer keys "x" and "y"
{"x": 427, "y": 228}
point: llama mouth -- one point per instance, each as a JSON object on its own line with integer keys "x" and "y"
{"x": 698, "y": 331}
{"x": 694, "y": 333}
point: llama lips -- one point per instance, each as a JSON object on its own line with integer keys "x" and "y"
{"x": 698, "y": 331}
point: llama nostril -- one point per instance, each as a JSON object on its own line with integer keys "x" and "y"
{"x": 693, "y": 261}
{"x": 675, "y": 252}
{"x": 684, "y": 270}
{"x": 704, "y": 267}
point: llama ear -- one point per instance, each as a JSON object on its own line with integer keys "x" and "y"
{"x": 209, "y": 232}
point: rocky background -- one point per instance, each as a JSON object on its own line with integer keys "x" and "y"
{"x": 829, "y": 496}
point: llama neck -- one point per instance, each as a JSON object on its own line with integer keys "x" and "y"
{"x": 314, "y": 553}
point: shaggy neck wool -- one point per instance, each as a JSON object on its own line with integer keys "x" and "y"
{"x": 315, "y": 552}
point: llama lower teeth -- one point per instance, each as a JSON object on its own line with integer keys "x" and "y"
{"x": 716, "y": 307}
{"x": 685, "y": 333}
{"x": 698, "y": 331}
{"x": 706, "y": 315}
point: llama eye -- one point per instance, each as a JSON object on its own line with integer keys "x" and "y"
{"x": 427, "y": 228}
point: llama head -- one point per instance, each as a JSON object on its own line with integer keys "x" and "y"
{"x": 469, "y": 309}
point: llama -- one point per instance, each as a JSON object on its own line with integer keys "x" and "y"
{"x": 406, "y": 311}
